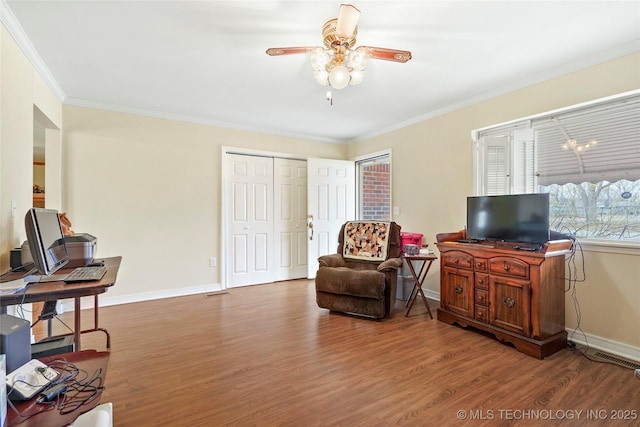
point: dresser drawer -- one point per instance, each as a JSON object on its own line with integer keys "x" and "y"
{"x": 457, "y": 259}
{"x": 482, "y": 297}
{"x": 480, "y": 264}
{"x": 482, "y": 281}
{"x": 509, "y": 266}
{"x": 482, "y": 313}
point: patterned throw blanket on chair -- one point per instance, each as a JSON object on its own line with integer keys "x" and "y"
{"x": 367, "y": 241}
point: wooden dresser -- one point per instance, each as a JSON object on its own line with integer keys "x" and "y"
{"x": 38, "y": 200}
{"x": 516, "y": 295}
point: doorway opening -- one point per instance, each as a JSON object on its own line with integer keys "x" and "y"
{"x": 47, "y": 162}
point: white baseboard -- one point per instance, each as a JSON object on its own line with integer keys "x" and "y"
{"x": 431, "y": 294}
{"x": 594, "y": 342}
{"x": 105, "y": 300}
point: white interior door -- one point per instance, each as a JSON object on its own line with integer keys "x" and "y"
{"x": 250, "y": 220}
{"x": 290, "y": 206}
{"x": 331, "y": 201}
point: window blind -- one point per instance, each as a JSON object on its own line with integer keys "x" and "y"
{"x": 524, "y": 155}
{"x": 496, "y": 162}
{"x": 598, "y": 143}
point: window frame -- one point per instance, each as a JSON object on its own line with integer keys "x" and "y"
{"x": 360, "y": 160}
{"x": 479, "y": 173}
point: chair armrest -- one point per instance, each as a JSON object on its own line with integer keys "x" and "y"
{"x": 390, "y": 264}
{"x": 333, "y": 260}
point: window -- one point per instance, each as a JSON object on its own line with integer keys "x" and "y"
{"x": 586, "y": 157}
{"x": 374, "y": 187}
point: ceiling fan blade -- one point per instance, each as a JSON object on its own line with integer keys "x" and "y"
{"x": 277, "y": 51}
{"x": 347, "y": 21}
{"x": 386, "y": 54}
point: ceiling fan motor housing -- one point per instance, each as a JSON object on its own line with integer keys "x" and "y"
{"x": 331, "y": 40}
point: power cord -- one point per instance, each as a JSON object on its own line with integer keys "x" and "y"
{"x": 573, "y": 279}
{"x": 78, "y": 391}
{"x": 68, "y": 392}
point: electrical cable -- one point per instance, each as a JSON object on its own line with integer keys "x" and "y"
{"x": 572, "y": 278}
{"x": 71, "y": 393}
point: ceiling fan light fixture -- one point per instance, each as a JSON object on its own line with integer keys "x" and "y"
{"x": 339, "y": 63}
{"x": 357, "y": 76}
{"x": 339, "y": 77}
{"x": 322, "y": 77}
{"x": 358, "y": 60}
{"x": 319, "y": 58}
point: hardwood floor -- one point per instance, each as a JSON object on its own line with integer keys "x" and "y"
{"x": 267, "y": 355}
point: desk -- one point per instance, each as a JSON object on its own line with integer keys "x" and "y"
{"x": 90, "y": 361}
{"x": 51, "y": 291}
{"x": 426, "y": 260}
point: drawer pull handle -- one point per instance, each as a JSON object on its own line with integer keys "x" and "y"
{"x": 506, "y": 267}
{"x": 480, "y": 281}
{"x": 509, "y": 302}
{"x": 458, "y": 289}
{"x": 456, "y": 261}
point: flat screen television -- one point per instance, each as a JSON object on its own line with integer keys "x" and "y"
{"x": 46, "y": 241}
{"x": 511, "y": 218}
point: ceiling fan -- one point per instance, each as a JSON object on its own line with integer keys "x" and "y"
{"x": 339, "y": 63}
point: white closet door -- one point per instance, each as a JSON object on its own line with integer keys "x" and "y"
{"x": 290, "y": 213}
{"x": 251, "y": 220}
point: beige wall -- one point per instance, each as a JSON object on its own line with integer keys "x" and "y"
{"x": 150, "y": 190}
{"x": 432, "y": 176}
{"x": 22, "y": 90}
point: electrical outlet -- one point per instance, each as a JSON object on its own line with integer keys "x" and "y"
{"x": 213, "y": 262}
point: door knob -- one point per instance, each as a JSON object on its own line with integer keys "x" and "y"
{"x": 310, "y": 225}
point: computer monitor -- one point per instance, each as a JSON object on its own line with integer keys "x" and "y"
{"x": 46, "y": 241}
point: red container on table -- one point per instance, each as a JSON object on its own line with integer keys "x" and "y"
{"x": 407, "y": 238}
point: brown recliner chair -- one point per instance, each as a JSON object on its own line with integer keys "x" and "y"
{"x": 362, "y": 277}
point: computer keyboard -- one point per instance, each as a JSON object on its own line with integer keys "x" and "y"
{"x": 85, "y": 274}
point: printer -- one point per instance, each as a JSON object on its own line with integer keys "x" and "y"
{"x": 81, "y": 248}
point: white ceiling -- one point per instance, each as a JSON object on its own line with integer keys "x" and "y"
{"x": 205, "y": 61}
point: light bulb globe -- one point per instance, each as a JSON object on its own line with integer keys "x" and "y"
{"x": 339, "y": 77}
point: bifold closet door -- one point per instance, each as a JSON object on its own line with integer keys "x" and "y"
{"x": 251, "y": 220}
{"x": 290, "y": 213}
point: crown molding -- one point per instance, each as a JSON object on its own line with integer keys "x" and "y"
{"x": 15, "y": 30}
{"x": 116, "y": 108}
{"x": 568, "y": 68}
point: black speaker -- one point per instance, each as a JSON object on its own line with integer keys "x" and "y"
{"x": 15, "y": 341}
{"x": 15, "y": 258}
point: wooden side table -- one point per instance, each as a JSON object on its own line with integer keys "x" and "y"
{"x": 426, "y": 260}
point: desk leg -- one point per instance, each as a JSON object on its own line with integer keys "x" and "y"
{"x": 77, "y": 333}
{"x": 95, "y": 322}
{"x": 78, "y": 327}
